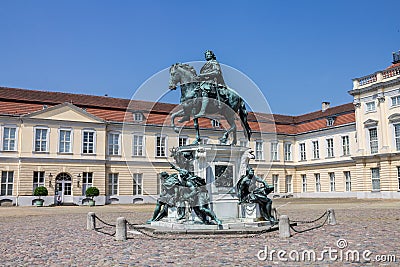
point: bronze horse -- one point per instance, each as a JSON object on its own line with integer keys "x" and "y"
{"x": 227, "y": 105}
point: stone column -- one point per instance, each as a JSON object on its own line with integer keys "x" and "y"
{"x": 121, "y": 229}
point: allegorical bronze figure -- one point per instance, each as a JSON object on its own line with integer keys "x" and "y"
{"x": 248, "y": 192}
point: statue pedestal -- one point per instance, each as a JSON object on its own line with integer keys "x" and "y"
{"x": 221, "y": 166}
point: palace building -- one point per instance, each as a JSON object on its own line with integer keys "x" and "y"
{"x": 69, "y": 142}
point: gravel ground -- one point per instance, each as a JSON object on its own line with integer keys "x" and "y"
{"x": 57, "y": 236}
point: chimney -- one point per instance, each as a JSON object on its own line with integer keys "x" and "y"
{"x": 325, "y": 106}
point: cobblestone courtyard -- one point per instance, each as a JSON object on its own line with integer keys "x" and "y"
{"x": 57, "y": 236}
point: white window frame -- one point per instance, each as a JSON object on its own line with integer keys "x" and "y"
{"x": 215, "y": 123}
{"x": 330, "y": 121}
{"x": 304, "y": 183}
{"x": 259, "y": 150}
{"x": 3, "y": 141}
{"x": 375, "y": 175}
{"x": 332, "y": 182}
{"x": 330, "y": 148}
{"x": 274, "y": 151}
{"x": 47, "y": 139}
{"x": 398, "y": 178}
{"x": 181, "y": 138}
{"x": 396, "y": 132}
{"x": 370, "y": 106}
{"x": 347, "y": 181}
{"x": 395, "y": 101}
{"x": 204, "y": 140}
{"x": 113, "y": 184}
{"x": 138, "y": 117}
{"x": 289, "y": 183}
{"x": 275, "y": 182}
{"x": 317, "y": 177}
{"x": 302, "y": 150}
{"x": 315, "y": 145}
{"x": 86, "y": 177}
{"x": 161, "y": 147}
{"x": 37, "y": 177}
{"x": 5, "y": 184}
{"x": 94, "y": 141}
{"x": 112, "y": 145}
{"x": 137, "y": 186}
{"x": 244, "y": 143}
{"x": 345, "y": 145}
{"x": 70, "y": 141}
{"x": 137, "y": 149}
{"x": 373, "y": 143}
{"x": 287, "y": 152}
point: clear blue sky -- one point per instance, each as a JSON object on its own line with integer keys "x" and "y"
{"x": 299, "y": 53}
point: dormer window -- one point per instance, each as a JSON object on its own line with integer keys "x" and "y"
{"x": 330, "y": 121}
{"x": 137, "y": 116}
{"x": 215, "y": 123}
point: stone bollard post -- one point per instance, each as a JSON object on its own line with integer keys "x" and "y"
{"x": 284, "y": 228}
{"x": 331, "y": 217}
{"x": 121, "y": 229}
{"x": 91, "y": 221}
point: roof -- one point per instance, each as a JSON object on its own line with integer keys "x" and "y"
{"x": 17, "y": 102}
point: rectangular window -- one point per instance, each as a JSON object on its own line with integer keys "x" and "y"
{"x": 244, "y": 143}
{"x": 204, "y": 141}
{"x": 275, "y": 182}
{"x": 376, "y": 179}
{"x": 161, "y": 143}
{"x": 315, "y": 150}
{"x": 88, "y": 142}
{"x": 332, "y": 181}
{"x": 64, "y": 145}
{"x": 7, "y": 181}
{"x": 397, "y": 136}
{"x": 137, "y": 116}
{"x": 288, "y": 151}
{"x": 138, "y": 145}
{"x": 288, "y": 184}
{"x": 113, "y": 184}
{"x": 373, "y": 140}
{"x": 329, "y": 147}
{"x": 38, "y": 179}
{"x": 345, "y": 145}
{"x": 215, "y": 123}
{"x": 41, "y": 139}
{"x": 137, "y": 184}
{"x": 183, "y": 141}
{"x": 395, "y": 100}
{"x": 302, "y": 151}
{"x": 317, "y": 182}
{"x": 347, "y": 179}
{"x": 370, "y": 106}
{"x": 87, "y": 181}
{"x": 274, "y": 151}
{"x": 9, "y": 138}
{"x": 259, "y": 150}
{"x": 113, "y": 144}
{"x": 304, "y": 182}
{"x": 398, "y": 178}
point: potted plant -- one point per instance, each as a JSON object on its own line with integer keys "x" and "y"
{"x": 92, "y": 192}
{"x": 40, "y": 191}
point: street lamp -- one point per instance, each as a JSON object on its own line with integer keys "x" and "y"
{"x": 79, "y": 180}
{"x": 50, "y": 177}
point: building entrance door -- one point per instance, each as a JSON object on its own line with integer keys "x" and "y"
{"x": 64, "y": 187}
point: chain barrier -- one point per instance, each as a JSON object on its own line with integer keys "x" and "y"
{"x": 97, "y": 229}
{"x": 326, "y": 214}
{"x": 106, "y": 223}
{"x": 133, "y": 226}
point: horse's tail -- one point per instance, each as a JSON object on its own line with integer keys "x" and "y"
{"x": 243, "y": 118}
